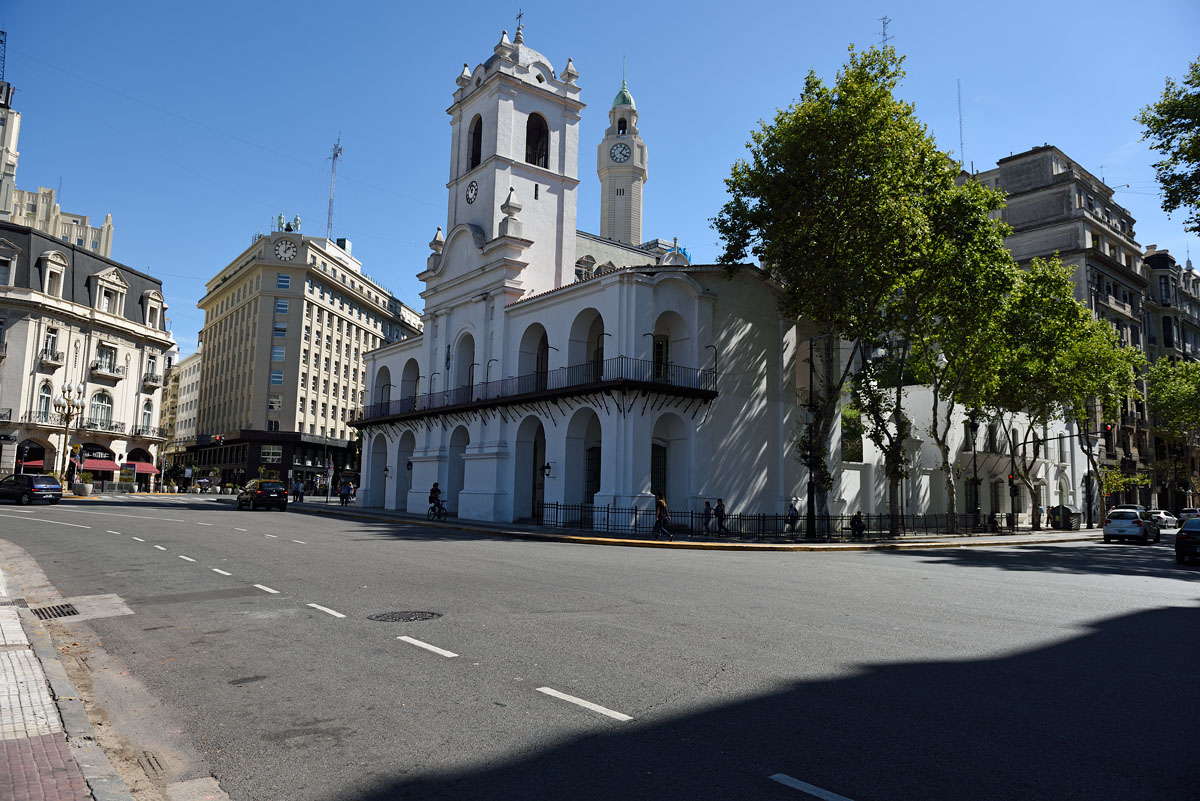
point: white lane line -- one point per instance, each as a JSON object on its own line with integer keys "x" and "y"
{"x": 239, "y": 529}
{"x": 139, "y": 539}
{"x": 159, "y": 547}
{"x": 585, "y": 704}
{"x": 190, "y": 559}
{"x": 327, "y": 611}
{"x": 204, "y": 524}
{"x": 119, "y": 514}
{"x": 267, "y": 589}
{"x": 300, "y": 542}
{"x": 39, "y": 520}
{"x": 219, "y": 570}
{"x": 112, "y": 532}
{"x": 272, "y": 536}
{"x": 805, "y": 787}
{"x": 427, "y": 646}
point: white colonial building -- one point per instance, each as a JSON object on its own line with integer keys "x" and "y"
{"x": 557, "y": 366}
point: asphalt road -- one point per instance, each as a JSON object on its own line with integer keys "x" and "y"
{"x": 1055, "y": 671}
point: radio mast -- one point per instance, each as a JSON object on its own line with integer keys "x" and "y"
{"x": 337, "y": 152}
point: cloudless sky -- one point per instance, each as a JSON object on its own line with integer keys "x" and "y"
{"x": 196, "y": 124}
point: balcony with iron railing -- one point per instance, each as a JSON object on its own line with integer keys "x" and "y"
{"x": 43, "y": 418}
{"x": 103, "y": 424}
{"x": 106, "y": 369}
{"x": 152, "y": 380}
{"x": 150, "y": 432}
{"x": 51, "y": 357}
{"x": 620, "y": 372}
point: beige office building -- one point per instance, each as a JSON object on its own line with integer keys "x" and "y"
{"x": 287, "y": 324}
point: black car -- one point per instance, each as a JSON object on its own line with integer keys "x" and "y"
{"x": 263, "y": 492}
{"x": 1187, "y": 540}
{"x": 25, "y": 489}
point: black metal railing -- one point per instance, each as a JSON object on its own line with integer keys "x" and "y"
{"x": 43, "y": 418}
{"x": 152, "y": 378}
{"x": 51, "y": 356}
{"x": 757, "y": 526}
{"x": 104, "y": 424}
{"x": 619, "y": 369}
{"x": 150, "y": 431}
{"x": 108, "y": 368}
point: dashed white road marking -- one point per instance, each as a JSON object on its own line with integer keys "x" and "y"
{"x": 272, "y": 536}
{"x": 300, "y": 542}
{"x": 190, "y": 559}
{"x": 112, "y": 532}
{"x": 204, "y": 524}
{"x": 39, "y": 520}
{"x": 427, "y": 646}
{"x": 327, "y": 611}
{"x": 267, "y": 589}
{"x": 119, "y": 514}
{"x": 238, "y": 529}
{"x": 805, "y": 787}
{"x": 585, "y": 704}
{"x": 159, "y": 547}
{"x": 139, "y": 539}
{"x": 219, "y": 570}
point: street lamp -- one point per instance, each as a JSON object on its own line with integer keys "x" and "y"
{"x": 69, "y": 405}
{"x": 973, "y": 424}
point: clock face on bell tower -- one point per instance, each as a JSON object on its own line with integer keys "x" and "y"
{"x": 622, "y": 169}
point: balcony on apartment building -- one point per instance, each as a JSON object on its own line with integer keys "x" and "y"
{"x": 102, "y": 368}
{"x": 152, "y": 380}
{"x": 150, "y": 432}
{"x": 618, "y": 373}
{"x": 51, "y": 357}
{"x": 104, "y": 425}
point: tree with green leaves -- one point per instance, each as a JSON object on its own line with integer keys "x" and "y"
{"x": 848, "y": 204}
{"x": 1173, "y": 392}
{"x": 1172, "y": 125}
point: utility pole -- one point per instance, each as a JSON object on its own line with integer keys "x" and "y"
{"x": 337, "y": 152}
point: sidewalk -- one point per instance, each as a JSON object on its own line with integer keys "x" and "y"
{"x": 699, "y": 542}
{"x": 48, "y": 749}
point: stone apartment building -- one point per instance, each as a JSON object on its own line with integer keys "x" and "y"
{"x": 287, "y": 324}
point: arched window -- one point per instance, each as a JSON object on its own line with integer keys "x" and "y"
{"x": 476, "y": 135}
{"x": 44, "y": 403}
{"x": 147, "y": 415}
{"x": 101, "y": 408}
{"x": 621, "y": 127}
{"x": 585, "y": 268}
{"x": 537, "y": 141}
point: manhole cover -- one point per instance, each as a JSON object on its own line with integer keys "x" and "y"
{"x": 60, "y": 610}
{"x": 403, "y": 617}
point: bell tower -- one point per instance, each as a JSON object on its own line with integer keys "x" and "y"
{"x": 621, "y": 164}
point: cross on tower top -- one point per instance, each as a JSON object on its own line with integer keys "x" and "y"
{"x": 520, "y": 14}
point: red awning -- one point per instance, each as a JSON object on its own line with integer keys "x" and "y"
{"x": 101, "y": 464}
{"x": 144, "y": 467}
{"x": 33, "y": 463}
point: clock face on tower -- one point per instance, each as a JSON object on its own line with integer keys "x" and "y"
{"x": 620, "y": 152}
{"x": 285, "y": 250}
{"x": 472, "y": 192}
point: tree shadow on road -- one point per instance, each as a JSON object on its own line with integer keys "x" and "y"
{"x": 1107, "y": 714}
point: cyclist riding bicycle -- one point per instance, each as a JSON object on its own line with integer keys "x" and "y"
{"x": 435, "y": 497}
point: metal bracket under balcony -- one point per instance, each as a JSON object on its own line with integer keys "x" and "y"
{"x": 102, "y": 369}
{"x": 619, "y": 373}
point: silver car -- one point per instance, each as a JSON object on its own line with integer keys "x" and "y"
{"x": 1130, "y": 524}
{"x": 1164, "y": 518}
{"x": 1188, "y": 514}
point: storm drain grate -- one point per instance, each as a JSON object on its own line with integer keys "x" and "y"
{"x": 50, "y": 612}
{"x": 152, "y": 765}
{"x": 403, "y": 617}
{"x": 21, "y": 602}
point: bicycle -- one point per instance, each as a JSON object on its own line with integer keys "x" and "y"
{"x": 437, "y": 511}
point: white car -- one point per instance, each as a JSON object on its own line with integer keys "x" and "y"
{"x": 1188, "y": 514}
{"x": 1164, "y": 519}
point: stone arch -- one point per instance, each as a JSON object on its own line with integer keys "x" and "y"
{"x": 403, "y": 470}
{"x": 673, "y": 344}
{"x": 460, "y": 438}
{"x": 529, "y": 480}
{"x": 586, "y": 343}
{"x": 537, "y": 141}
{"x": 377, "y": 482}
{"x": 101, "y": 407}
{"x": 36, "y": 456}
{"x": 463, "y": 366}
{"x": 671, "y": 459}
{"x": 533, "y": 359}
{"x": 410, "y": 379}
{"x": 45, "y": 402}
{"x": 475, "y": 140}
{"x": 582, "y": 457}
{"x": 585, "y": 268}
{"x": 381, "y": 392}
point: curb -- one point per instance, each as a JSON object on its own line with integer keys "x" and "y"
{"x": 717, "y": 546}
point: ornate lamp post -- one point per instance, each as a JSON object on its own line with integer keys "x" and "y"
{"x": 69, "y": 405}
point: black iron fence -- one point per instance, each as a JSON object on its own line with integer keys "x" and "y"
{"x": 608, "y": 371}
{"x": 753, "y": 526}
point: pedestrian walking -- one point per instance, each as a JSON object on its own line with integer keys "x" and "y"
{"x": 708, "y": 513}
{"x": 344, "y": 493}
{"x": 793, "y": 517}
{"x": 720, "y": 515}
{"x": 857, "y": 526}
{"x": 661, "y": 518}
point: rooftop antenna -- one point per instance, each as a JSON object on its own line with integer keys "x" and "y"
{"x": 337, "y": 152}
{"x": 883, "y": 36}
{"x": 962, "y": 157}
{"x": 1101, "y": 173}
{"x": 3, "y": 52}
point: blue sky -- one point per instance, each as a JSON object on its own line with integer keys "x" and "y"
{"x": 196, "y": 124}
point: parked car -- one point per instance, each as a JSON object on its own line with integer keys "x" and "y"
{"x": 1188, "y": 514}
{"x": 1135, "y": 506}
{"x": 27, "y": 488}
{"x": 1128, "y": 523}
{"x": 1164, "y": 519}
{"x": 1187, "y": 540}
{"x": 263, "y": 492}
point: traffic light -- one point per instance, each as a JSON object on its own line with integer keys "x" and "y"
{"x": 1012, "y": 486}
{"x": 217, "y": 439}
{"x": 1108, "y": 428}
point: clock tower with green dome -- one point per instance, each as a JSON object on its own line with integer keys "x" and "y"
{"x": 621, "y": 163}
